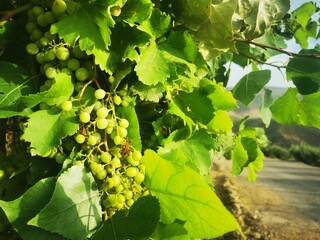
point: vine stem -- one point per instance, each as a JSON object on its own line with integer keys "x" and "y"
{"x": 291, "y": 54}
{"x": 10, "y": 13}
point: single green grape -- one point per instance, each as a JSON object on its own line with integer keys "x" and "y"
{"x": 41, "y": 20}
{"x": 50, "y": 17}
{"x": 84, "y": 117}
{"x": 118, "y": 140}
{"x": 119, "y": 188}
{"x": 109, "y": 183}
{"x": 117, "y": 100}
{"x": 95, "y": 167}
{"x": 60, "y": 157}
{"x": 66, "y": 106}
{"x": 66, "y": 71}
{"x": 111, "y": 79}
{"x": 129, "y": 202}
{"x": 94, "y": 139}
{"x": 128, "y": 194}
{"x": 105, "y": 157}
{"x": 99, "y": 93}
{"x": 77, "y": 52}
{"x": 139, "y": 177}
{"x": 111, "y": 200}
{"x": 101, "y": 175}
{"x": 62, "y": 53}
{"x": 32, "y": 49}
{"x": 2, "y": 174}
{"x": 122, "y": 132}
{"x": 97, "y": 105}
{"x": 59, "y": 7}
{"x": 51, "y": 73}
{"x": 36, "y": 35}
{"x": 49, "y": 55}
{"x": 123, "y": 123}
{"x": 30, "y": 27}
{"x": 103, "y": 113}
{"x": 44, "y": 41}
{"x": 136, "y": 155}
{"x": 116, "y": 162}
{"x": 120, "y": 198}
{"x": 102, "y": 123}
{"x": 73, "y": 64}
{"x": 117, "y": 180}
{"x": 82, "y": 74}
{"x": 131, "y": 171}
{"x": 37, "y": 11}
{"x": 132, "y": 162}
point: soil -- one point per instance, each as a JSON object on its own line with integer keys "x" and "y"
{"x": 283, "y": 204}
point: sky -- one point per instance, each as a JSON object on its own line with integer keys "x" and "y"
{"x": 277, "y": 77}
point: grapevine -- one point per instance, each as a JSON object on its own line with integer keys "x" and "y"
{"x": 111, "y": 111}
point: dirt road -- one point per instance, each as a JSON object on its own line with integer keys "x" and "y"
{"x": 284, "y": 202}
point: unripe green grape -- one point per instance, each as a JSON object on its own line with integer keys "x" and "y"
{"x": 59, "y": 7}
{"x": 136, "y": 155}
{"x": 109, "y": 130}
{"x": 44, "y": 41}
{"x": 36, "y": 35}
{"x": 84, "y": 117}
{"x": 116, "y": 162}
{"x": 51, "y": 73}
{"x": 132, "y": 162}
{"x": 37, "y": 10}
{"x": 66, "y": 71}
{"x": 82, "y": 74}
{"x": 139, "y": 177}
{"x": 95, "y": 167}
{"x": 102, "y": 123}
{"x": 30, "y": 14}
{"x": 30, "y": 27}
{"x": 93, "y": 140}
{"x": 111, "y": 200}
{"x": 97, "y": 106}
{"x": 101, "y": 175}
{"x": 49, "y": 55}
{"x": 117, "y": 100}
{"x": 50, "y": 17}
{"x": 2, "y": 174}
{"x": 32, "y": 49}
{"x": 115, "y": 11}
{"x": 60, "y": 157}
{"x": 142, "y": 168}
{"x": 94, "y": 158}
{"x": 66, "y": 106}
{"x": 109, "y": 183}
{"x": 125, "y": 103}
{"x": 123, "y": 123}
{"x": 99, "y": 93}
{"x": 73, "y": 64}
{"x": 52, "y": 153}
{"x": 77, "y": 52}
{"x": 105, "y": 157}
{"x": 103, "y": 113}
{"x": 50, "y": 36}
{"x": 78, "y": 86}
{"x": 62, "y": 53}
{"x": 118, "y": 140}
{"x": 128, "y": 194}
{"x": 111, "y": 79}
{"x": 116, "y": 180}
{"x": 131, "y": 171}
{"x": 112, "y": 123}
{"x": 120, "y": 198}
{"x": 41, "y": 20}
{"x": 119, "y": 188}
{"x": 122, "y": 132}
{"x": 48, "y": 83}
{"x": 129, "y": 202}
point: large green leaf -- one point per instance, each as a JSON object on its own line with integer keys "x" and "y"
{"x": 304, "y": 13}
{"x": 74, "y": 210}
{"x": 258, "y": 15}
{"x": 305, "y": 73}
{"x": 46, "y": 128}
{"x": 14, "y": 83}
{"x": 136, "y": 12}
{"x": 185, "y": 196}
{"x": 290, "y": 109}
{"x": 21, "y": 210}
{"x": 140, "y": 222}
{"x": 249, "y": 86}
{"x": 60, "y": 91}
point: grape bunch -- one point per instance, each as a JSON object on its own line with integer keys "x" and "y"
{"x": 102, "y": 141}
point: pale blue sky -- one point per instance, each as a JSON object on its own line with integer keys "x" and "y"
{"x": 277, "y": 77}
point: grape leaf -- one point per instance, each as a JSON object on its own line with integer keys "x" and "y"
{"x": 75, "y": 202}
{"x": 216, "y": 92}
{"x": 196, "y": 151}
{"x": 185, "y": 196}
{"x": 60, "y": 91}
{"x": 265, "y": 112}
{"x": 153, "y": 67}
{"x": 157, "y": 25}
{"x": 195, "y": 105}
{"x": 220, "y": 123}
{"x": 289, "y": 109}
{"x": 140, "y": 222}
{"x": 136, "y": 12}
{"x": 90, "y": 24}
{"x": 173, "y": 231}
{"x": 21, "y": 210}
{"x": 46, "y": 128}
{"x": 149, "y": 93}
{"x": 248, "y": 86}
{"x": 258, "y": 15}
{"x": 14, "y": 83}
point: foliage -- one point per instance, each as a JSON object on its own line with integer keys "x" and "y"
{"x": 111, "y": 110}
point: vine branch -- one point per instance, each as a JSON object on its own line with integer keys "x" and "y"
{"x": 6, "y": 15}
{"x": 264, "y": 46}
